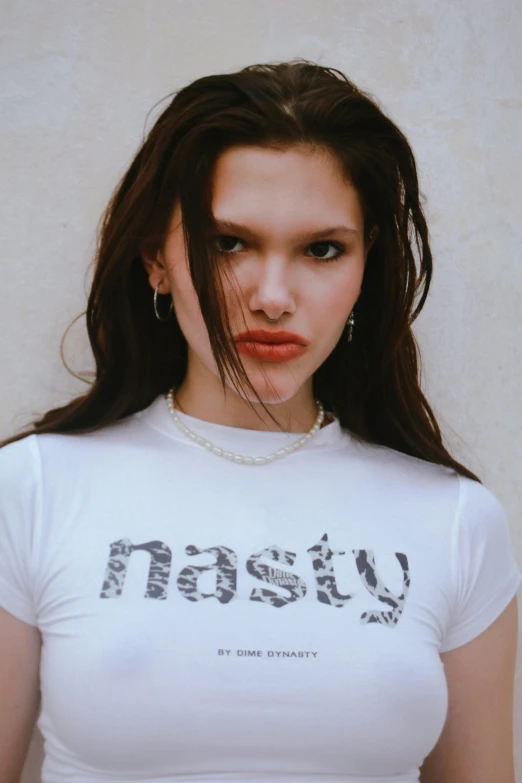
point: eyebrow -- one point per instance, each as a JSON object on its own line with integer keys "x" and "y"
{"x": 239, "y": 227}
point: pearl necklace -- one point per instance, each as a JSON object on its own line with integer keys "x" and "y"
{"x": 240, "y": 458}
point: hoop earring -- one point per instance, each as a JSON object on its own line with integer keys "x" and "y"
{"x": 350, "y": 324}
{"x": 156, "y": 305}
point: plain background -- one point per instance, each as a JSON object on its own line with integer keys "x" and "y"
{"x": 78, "y": 80}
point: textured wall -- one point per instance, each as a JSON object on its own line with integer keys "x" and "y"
{"x": 78, "y": 78}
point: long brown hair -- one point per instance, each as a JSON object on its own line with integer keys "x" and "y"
{"x": 371, "y": 384}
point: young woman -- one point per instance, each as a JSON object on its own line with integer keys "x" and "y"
{"x": 245, "y": 553}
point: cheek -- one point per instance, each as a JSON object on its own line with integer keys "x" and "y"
{"x": 334, "y": 301}
{"x": 186, "y": 305}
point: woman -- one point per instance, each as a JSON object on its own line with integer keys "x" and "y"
{"x": 245, "y": 553}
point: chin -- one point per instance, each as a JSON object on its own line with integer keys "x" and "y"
{"x": 271, "y": 390}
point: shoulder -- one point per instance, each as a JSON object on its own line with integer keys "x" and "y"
{"x": 474, "y": 505}
{"x": 20, "y": 484}
{"x": 35, "y": 450}
{"x": 18, "y": 458}
{"x": 392, "y": 466}
{"x": 480, "y": 514}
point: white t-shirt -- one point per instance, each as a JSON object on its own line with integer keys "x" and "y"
{"x": 209, "y": 621}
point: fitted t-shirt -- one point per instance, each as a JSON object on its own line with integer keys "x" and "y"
{"x": 204, "y": 620}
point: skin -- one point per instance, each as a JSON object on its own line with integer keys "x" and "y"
{"x": 476, "y": 744}
{"x": 276, "y": 270}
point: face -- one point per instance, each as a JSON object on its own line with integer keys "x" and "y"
{"x": 296, "y": 254}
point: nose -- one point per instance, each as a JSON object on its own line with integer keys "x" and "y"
{"x": 272, "y": 288}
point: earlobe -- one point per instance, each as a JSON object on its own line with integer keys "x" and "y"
{"x": 155, "y": 269}
{"x": 371, "y": 238}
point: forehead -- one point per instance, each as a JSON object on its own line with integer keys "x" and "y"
{"x": 262, "y": 184}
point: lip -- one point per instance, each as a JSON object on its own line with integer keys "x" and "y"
{"x": 270, "y": 338}
{"x": 271, "y": 352}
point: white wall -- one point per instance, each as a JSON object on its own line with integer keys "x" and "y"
{"x": 78, "y": 78}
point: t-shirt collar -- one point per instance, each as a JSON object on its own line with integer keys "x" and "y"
{"x": 236, "y": 439}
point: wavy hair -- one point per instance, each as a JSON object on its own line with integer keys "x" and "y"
{"x": 371, "y": 384}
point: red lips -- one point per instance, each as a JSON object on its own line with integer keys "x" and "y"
{"x": 270, "y": 346}
{"x": 264, "y": 336}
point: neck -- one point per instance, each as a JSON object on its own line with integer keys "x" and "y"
{"x": 201, "y": 395}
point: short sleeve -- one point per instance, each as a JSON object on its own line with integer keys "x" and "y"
{"x": 19, "y": 510}
{"x": 486, "y": 575}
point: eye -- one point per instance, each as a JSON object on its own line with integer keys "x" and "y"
{"x": 324, "y": 245}
{"x": 222, "y": 239}
{"x": 232, "y": 240}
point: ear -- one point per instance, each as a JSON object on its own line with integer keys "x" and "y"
{"x": 156, "y": 271}
{"x": 371, "y": 239}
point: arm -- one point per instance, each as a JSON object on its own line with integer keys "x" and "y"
{"x": 20, "y": 646}
{"x": 476, "y": 743}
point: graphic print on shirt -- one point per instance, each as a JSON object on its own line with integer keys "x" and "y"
{"x": 225, "y": 568}
{"x": 296, "y": 586}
